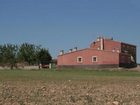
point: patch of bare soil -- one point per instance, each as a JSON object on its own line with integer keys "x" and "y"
{"x": 70, "y": 93}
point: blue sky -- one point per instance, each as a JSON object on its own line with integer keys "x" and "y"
{"x": 64, "y": 24}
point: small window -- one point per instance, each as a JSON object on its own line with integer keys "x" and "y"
{"x": 94, "y": 59}
{"x": 79, "y": 59}
{"x": 134, "y": 49}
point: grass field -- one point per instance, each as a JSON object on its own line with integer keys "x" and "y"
{"x": 69, "y": 87}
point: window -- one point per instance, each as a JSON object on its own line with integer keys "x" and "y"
{"x": 94, "y": 59}
{"x": 79, "y": 59}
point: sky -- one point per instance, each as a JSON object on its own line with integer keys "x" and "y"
{"x": 65, "y": 24}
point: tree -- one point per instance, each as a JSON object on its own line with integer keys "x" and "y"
{"x": 8, "y": 55}
{"x": 28, "y": 53}
{"x": 1, "y": 57}
{"x": 11, "y": 54}
{"x": 44, "y": 56}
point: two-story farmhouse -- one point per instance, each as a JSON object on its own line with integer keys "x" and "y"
{"x": 103, "y": 52}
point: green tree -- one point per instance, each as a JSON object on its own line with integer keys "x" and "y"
{"x": 44, "y": 56}
{"x": 28, "y": 53}
{"x": 11, "y": 54}
{"x": 1, "y": 57}
{"x": 8, "y": 55}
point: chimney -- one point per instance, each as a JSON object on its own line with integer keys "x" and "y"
{"x": 102, "y": 43}
{"x": 70, "y": 50}
{"x": 98, "y": 38}
{"x": 75, "y": 49}
{"x": 61, "y": 52}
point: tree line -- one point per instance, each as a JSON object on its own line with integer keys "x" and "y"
{"x": 11, "y": 54}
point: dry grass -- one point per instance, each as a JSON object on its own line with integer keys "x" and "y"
{"x": 70, "y": 92}
{"x": 95, "y": 91}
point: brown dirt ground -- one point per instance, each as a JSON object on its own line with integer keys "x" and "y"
{"x": 86, "y": 92}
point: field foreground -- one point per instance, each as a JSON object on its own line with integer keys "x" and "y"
{"x": 19, "y": 87}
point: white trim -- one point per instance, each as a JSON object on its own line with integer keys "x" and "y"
{"x": 79, "y": 57}
{"x": 93, "y": 59}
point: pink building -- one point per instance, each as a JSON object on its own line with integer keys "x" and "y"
{"x": 101, "y": 53}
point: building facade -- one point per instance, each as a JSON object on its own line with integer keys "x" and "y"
{"x": 102, "y": 53}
